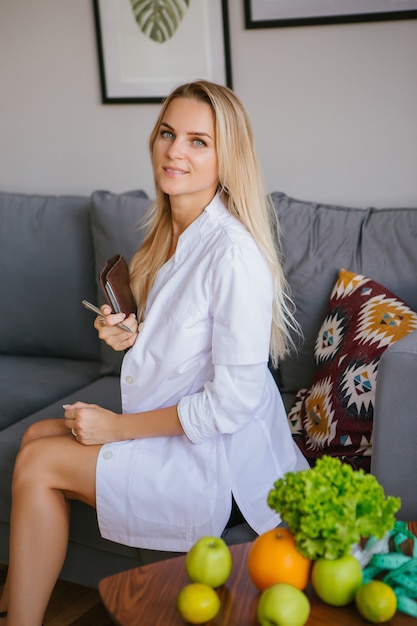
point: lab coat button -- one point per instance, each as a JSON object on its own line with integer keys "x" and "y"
{"x": 108, "y": 454}
{"x": 129, "y": 380}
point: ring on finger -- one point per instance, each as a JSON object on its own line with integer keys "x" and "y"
{"x": 74, "y": 432}
{"x": 101, "y": 321}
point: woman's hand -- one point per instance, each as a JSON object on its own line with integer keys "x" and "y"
{"x": 113, "y": 335}
{"x": 91, "y": 424}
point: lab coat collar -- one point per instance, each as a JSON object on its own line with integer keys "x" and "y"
{"x": 201, "y": 226}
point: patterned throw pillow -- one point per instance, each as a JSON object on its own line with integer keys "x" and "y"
{"x": 335, "y": 415}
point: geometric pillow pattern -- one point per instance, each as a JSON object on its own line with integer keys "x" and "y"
{"x": 335, "y": 415}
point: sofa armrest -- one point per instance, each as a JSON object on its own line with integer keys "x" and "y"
{"x": 394, "y": 451}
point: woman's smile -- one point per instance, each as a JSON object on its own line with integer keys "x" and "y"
{"x": 173, "y": 171}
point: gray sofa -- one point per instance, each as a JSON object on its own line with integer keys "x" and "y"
{"x": 51, "y": 250}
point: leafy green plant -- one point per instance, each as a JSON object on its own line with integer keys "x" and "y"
{"x": 331, "y": 506}
{"x": 159, "y": 19}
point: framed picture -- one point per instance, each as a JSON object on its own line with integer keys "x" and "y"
{"x": 272, "y": 13}
{"x": 145, "y": 49}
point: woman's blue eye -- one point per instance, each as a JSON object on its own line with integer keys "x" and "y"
{"x": 167, "y": 134}
{"x": 199, "y": 142}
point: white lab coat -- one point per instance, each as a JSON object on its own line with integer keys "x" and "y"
{"x": 204, "y": 347}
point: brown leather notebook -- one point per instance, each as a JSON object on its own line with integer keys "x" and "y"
{"x": 114, "y": 279}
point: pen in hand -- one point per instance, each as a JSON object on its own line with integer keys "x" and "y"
{"x": 95, "y": 309}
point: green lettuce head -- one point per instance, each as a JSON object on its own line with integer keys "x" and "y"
{"x": 331, "y": 506}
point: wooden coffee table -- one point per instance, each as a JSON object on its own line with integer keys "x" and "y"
{"x": 146, "y": 595}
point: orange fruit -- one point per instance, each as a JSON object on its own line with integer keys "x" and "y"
{"x": 274, "y": 558}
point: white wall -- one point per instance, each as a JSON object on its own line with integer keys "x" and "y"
{"x": 334, "y": 108}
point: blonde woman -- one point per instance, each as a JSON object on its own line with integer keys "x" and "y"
{"x": 203, "y": 421}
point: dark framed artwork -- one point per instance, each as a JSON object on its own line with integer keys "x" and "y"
{"x": 145, "y": 49}
{"x": 273, "y": 13}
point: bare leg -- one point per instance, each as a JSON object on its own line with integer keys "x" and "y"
{"x": 43, "y": 428}
{"x": 49, "y": 471}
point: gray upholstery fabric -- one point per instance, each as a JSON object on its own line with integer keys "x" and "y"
{"x": 394, "y": 457}
{"x": 115, "y": 223}
{"x": 116, "y": 230}
{"x": 33, "y": 382}
{"x": 47, "y": 258}
{"x": 317, "y": 241}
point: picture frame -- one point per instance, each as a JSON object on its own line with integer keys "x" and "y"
{"x": 279, "y": 13}
{"x": 134, "y": 68}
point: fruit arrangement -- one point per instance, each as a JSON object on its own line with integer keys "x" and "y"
{"x": 327, "y": 509}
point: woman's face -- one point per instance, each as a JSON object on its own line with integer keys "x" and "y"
{"x": 184, "y": 157}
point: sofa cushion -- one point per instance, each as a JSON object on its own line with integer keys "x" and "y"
{"x": 47, "y": 261}
{"x": 30, "y": 383}
{"x": 317, "y": 240}
{"x": 116, "y": 230}
{"x": 335, "y": 415}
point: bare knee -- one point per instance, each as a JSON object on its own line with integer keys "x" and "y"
{"x": 30, "y": 434}
{"x": 25, "y": 468}
{"x": 57, "y": 464}
{"x": 43, "y": 428}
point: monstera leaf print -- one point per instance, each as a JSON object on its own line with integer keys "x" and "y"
{"x": 159, "y": 19}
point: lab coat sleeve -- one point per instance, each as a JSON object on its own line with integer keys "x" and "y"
{"x": 241, "y": 307}
{"x": 226, "y": 404}
{"x": 241, "y": 295}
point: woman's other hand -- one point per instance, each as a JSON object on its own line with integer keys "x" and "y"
{"x": 91, "y": 424}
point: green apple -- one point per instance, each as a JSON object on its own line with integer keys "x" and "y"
{"x": 336, "y": 581}
{"x": 283, "y": 605}
{"x": 209, "y": 562}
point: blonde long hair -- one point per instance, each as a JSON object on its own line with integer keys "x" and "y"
{"x": 243, "y": 192}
